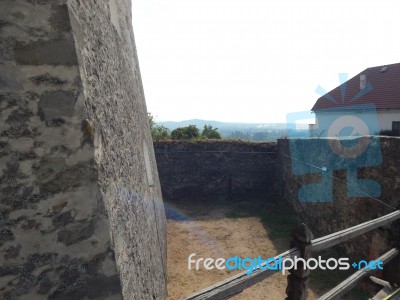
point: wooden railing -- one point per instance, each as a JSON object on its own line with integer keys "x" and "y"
{"x": 345, "y": 286}
{"x": 235, "y": 284}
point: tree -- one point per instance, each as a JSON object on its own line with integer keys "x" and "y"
{"x": 211, "y": 133}
{"x": 151, "y": 120}
{"x": 158, "y": 132}
{"x": 185, "y": 133}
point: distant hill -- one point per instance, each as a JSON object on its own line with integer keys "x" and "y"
{"x": 245, "y": 131}
{"x": 223, "y": 125}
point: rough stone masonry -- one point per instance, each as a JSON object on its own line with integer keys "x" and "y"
{"x": 81, "y": 213}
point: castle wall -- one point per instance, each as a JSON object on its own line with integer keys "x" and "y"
{"x": 80, "y": 202}
{"x": 344, "y": 210}
{"x": 215, "y": 170}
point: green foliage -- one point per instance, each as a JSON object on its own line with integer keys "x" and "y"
{"x": 158, "y": 132}
{"x": 185, "y": 133}
{"x": 191, "y": 132}
{"x": 200, "y": 138}
{"x": 211, "y": 133}
{"x": 387, "y": 133}
{"x": 151, "y": 120}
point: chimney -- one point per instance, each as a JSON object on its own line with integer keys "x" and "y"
{"x": 363, "y": 81}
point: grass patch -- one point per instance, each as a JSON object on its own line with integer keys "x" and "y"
{"x": 278, "y": 220}
{"x": 232, "y": 214}
{"x": 280, "y": 224}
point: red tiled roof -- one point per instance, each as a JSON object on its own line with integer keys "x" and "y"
{"x": 385, "y": 93}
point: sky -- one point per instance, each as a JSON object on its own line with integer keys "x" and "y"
{"x": 255, "y": 60}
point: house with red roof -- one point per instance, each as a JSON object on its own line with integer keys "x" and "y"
{"x": 368, "y": 102}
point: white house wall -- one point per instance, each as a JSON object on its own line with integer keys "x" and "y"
{"x": 384, "y": 120}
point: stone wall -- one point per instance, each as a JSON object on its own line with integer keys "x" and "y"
{"x": 81, "y": 212}
{"x": 215, "y": 170}
{"x": 344, "y": 211}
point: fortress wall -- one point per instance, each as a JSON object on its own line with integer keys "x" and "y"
{"x": 118, "y": 121}
{"x": 215, "y": 170}
{"x": 81, "y": 212}
{"x": 345, "y": 211}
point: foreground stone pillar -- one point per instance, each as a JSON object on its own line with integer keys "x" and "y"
{"x": 81, "y": 213}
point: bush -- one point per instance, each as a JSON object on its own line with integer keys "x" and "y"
{"x": 387, "y": 133}
{"x": 158, "y": 132}
{"x": 185, "y": 133}
{"x": 211, "y": 133}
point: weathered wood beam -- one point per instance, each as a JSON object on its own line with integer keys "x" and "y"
{"x": 345, "y": 286}
{"x": 352, "y": 232}
{"x": 235, "y": 284}
{"x": 380, "y": 281}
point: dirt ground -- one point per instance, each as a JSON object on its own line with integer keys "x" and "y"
{"x": 215, "y": 235}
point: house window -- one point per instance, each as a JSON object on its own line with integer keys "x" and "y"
{"x": 396, "y": 128}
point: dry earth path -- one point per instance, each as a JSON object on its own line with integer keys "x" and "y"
{"x": 216, "y": 235}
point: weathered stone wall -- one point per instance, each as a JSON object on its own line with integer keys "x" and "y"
{"x": 124, "y": 151}
{"x": 215, "y": 170}
{"x": 81, "y": 212}
{"x": 343, "y": 212}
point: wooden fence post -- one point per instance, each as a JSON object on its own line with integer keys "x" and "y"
{"x": 297, "y": 280}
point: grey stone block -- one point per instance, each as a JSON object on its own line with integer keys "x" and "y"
{"x": 52, "y": 52}
{"x": 55, "y": 105}
{"x": 7, "y": 81}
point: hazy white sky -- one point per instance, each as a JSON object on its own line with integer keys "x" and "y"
{"x": 256, "y": 60}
